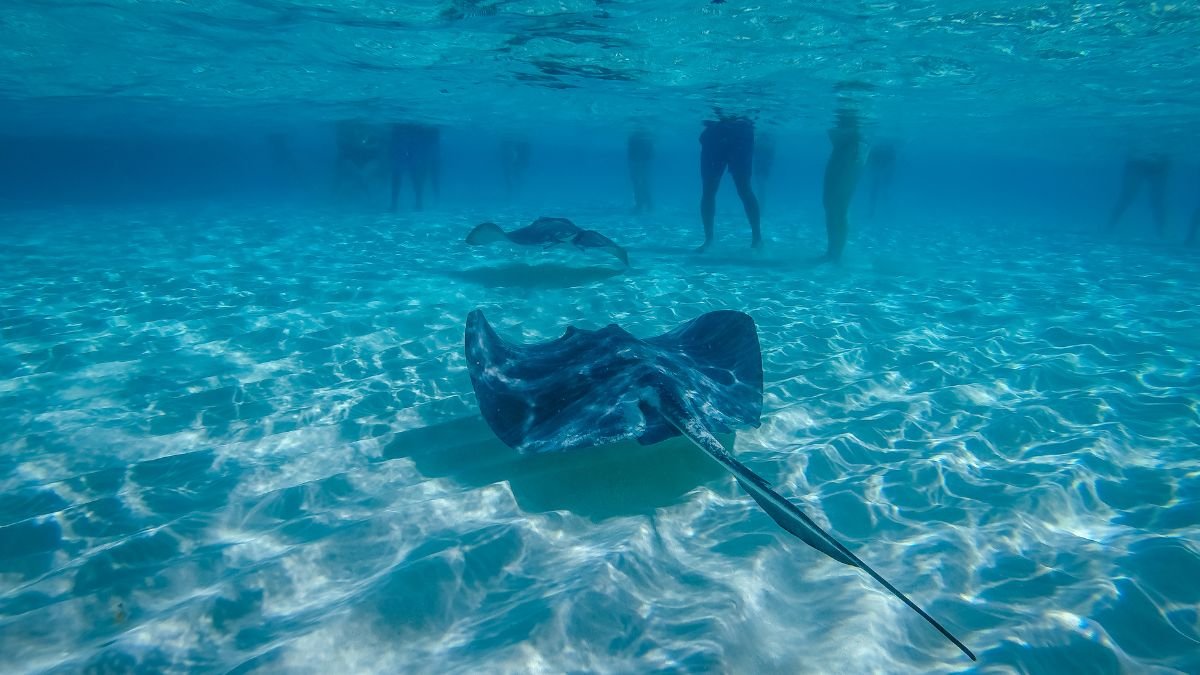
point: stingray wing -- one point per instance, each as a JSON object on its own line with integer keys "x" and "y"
{"x": 566, "y": 393}
{"x": 590, "y": 388}
{"x": 545, "y": 232}
{"x": 593, "y": 239}
{"x": 713, "y": 363}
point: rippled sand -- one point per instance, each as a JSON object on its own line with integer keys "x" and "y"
{"x": 250, "y": 443}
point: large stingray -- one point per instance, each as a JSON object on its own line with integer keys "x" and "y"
{"x": 547, "y": 233}
{"x": 594, "y": 387}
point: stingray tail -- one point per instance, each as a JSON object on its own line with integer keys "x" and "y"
{"x": 788, "y": 516}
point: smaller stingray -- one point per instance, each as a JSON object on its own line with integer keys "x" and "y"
{"x": 547, "y": 233}
{"x": 594, "y": 387}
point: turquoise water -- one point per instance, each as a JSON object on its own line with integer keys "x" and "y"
{"x": 237, "y": 433}
{"x": 250, "y": 440}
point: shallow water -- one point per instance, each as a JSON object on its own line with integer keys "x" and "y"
{"x": 247, "y": 441}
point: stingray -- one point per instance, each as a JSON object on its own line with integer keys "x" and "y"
{"x": 548, "y": 233}
{"x": 595, "y": 387}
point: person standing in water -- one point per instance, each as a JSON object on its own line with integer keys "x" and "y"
{"x": 1150, "y": 168}
{"x": 1193, "y": 237}
{"x": 881, "y": 160}
{"x": 514, "y": 158}
{"x": 433, "y": 146}
{"x": 727, "y": 143}
{"x": 283, "y": 160}
{"x": 415, "y": 150}
{"x": 841, "y": 178}
{"x": 764, "y": 160}
{"x": 360, "y": 147}
{"x": 641, "y": 154}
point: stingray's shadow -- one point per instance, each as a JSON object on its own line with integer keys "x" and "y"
{"x": 756, "y": 261}
{"x": 659, "y": 249}
{"x": 522, "y": 275}
{"x": 773, "y": 258}
{"x": 622, "y": 479}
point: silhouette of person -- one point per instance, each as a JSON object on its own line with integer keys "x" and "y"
{"x": 641, "y": 155}
{"x": 1153, "y": 170}
{"x": 881, "y": 162}
{"x": 283, "y": 161}
{"x": 764, "y": 160}
{"x": 360, "y": 147}
{"x": 415, "y": 150}
{"x": 841, "y": 179}
{"x": 1193, "y": 237}
{"x": 514, "y": 159}
{"x": 727, "y": 143}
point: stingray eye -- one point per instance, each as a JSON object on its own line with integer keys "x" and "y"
{"x": 722, "y": 376}
{"x": 645, "y": 407}
{"x": 634, "y": 414}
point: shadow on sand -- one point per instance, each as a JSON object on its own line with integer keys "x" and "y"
{"x": 522, "y": 275}
{"x": 623, "y": 479}
{"x": 776, "y": 257}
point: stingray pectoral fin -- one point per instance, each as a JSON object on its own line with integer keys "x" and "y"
{"x": 613, "y": 250}
{"x": 619, "y": 253}
{"x": 486, "y": 233}
{"x": 791, "y": 518}
{"x": 586, "y": 239}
